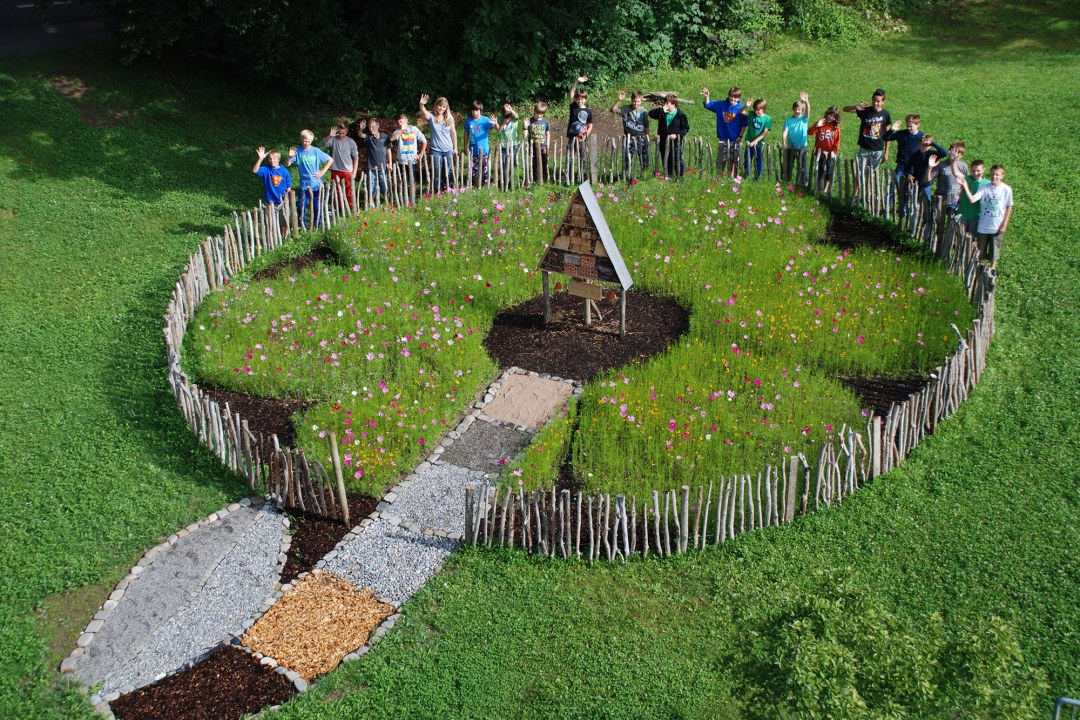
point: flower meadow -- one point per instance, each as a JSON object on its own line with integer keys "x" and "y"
{"x": 390, "y": 342}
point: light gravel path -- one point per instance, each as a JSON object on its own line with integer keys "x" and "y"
{"x": 435, "y": 498}
{"x": 390, "y": 560}
{"x": 191, "y": 597}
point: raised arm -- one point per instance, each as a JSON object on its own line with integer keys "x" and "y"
{"x": 261, "y": 152}
{"x": 423, "y": 105}
{"x": 857, "y": 107}
{"x": 615, "y": 107}
{"x": 573, "y": 88}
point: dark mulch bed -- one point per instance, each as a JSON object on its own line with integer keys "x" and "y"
{"x": 264, "y": 415}
{"x": 319, "y": 254}
{"x": 227, "y": 684}
{"x": 880, "y": 393}
{"x": 847, "y": 232}
{"x": 567, "y": 348}
{"x": 314, "y": 536}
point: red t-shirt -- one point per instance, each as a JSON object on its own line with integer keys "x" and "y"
{"x": 826, "y": 137}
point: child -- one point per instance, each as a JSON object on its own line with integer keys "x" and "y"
{"x": 757, "y": 127}
{"x": 996, "y": 211}
{"x": 874, "y": 119}
{"x": 826, "y": 132}
{"x": 948, "y": 174}
{"x": 920, "y": 164}
{"x": 908, "y": 142}
{"x": 377, "y": 146}
{"x": 635, "y": 120}
{"x": 477, "y": 128}
{"x": 444, "y": 142}
{"x": 579, "y": 126}
{"x": 346, "y": 156}
{"x": 671, "y": 127}
{"x": 970, "y": 211}
{"x": 308, "y": 159}
{"x": 509, "y": 137}
{"x": 539, "y": 130}
{"x": 411, "y": 146}
{"x": 794, "y": 139}
{"x": 276, "y": 180}
{"x": 730, "y": 122}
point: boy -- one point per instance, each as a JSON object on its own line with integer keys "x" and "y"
{"x": 539, "y": 130}
{"x": 346, "y": 156}
{"x": 730, "y": 122}
{"x": 907, "y": 142}
{"x": 579, "y": 127}
{"x": 757, "y": 127}
{"x": 948, "y": 174}
{"x": 874, "y": 119}
{"x": 997, "y": 205}
{"x": 794, "y": 139}
{"x": 477, "y": 128}
{"x": 509, "y": 137}
{"x": 635, "y": 120}
{"x": 970, "y": 211}
{"x": 308, "y": 159}
{"x": 377, "y": 147}
{"x": 671, "y": 127}
{"x": 276, "y": 180}
{"x": 920, "y": 164}
{"x": 411, "y": 146}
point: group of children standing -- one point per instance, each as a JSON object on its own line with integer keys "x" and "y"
{"x": 985, "y": 206}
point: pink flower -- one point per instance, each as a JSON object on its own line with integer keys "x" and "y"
{"x": 860, "y": 339}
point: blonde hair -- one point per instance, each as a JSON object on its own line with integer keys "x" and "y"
{"x": 307, "y": 135}
{"x": 449, "y": 115}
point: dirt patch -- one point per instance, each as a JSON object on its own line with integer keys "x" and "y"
{"x": 268, "y": 416}
{"x": 847, "y": 232}
{"x": 295, "y": 266}
{"x": 75, "y": 91}
{"x": 879, "y": 394}
{"x": 316, "y": 623}
{"x": 227, "y": 684}
{"x": 314, "y": 536}
{"x": 568, "y": 348}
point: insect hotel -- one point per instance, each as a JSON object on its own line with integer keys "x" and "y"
{"x": 584, "y": 249}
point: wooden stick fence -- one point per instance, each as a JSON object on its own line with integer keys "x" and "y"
{"x": 555, "y": 523}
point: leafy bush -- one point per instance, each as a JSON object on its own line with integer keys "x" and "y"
{"x": 714, "y": 32}
{"x": 838, "y": 652}
{"x": 824, "y": 20}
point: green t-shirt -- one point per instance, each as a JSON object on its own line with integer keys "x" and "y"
{"x": 509, "y": 135}
{"x": 756, "y": 127}
{"x": 970, "y": 210}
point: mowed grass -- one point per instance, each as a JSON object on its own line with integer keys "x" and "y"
{"x": 96, "y": 464}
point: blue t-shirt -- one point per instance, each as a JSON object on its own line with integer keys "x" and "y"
{"x": 538, "y": 130}
{"x": 729, "y": 120}
{"x": 796, "y": 131}
{"x": 276, "y": 182}
{"x": 477, "y": 129}
{"x": 310, "y": 161}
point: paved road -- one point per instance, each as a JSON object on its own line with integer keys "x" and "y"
{"x": 67, "y": 24}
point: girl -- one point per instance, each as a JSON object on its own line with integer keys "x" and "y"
{"x": 826, "y": 132}
{"x": 444, "y": 142}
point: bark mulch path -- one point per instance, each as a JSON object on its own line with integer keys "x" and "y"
{"x": 568, "y": 348}
{"x": 228, "y": 683}
{"x": 314, "y": 536}
{"x": 316, "y": 623}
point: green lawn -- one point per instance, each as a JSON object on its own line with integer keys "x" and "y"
{"x": 982, "y": 521}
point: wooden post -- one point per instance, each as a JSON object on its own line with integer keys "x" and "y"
{"x": 684, "y": 530}
{"x": 546, "y": 280}
{"x": 339, "y": 478}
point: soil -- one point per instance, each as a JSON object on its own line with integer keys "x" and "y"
{"x": 847, "y": 232}
{"x": 314, "y": 536}
{"x": 264, "y": 415}
{"x": 568, "y": 348}
{"x": 320, "y": 254}
{"x": 227, "y": 684}
{"x": 880, "y": 393}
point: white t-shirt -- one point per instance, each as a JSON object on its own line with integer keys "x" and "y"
{"x": 995, "y": 201}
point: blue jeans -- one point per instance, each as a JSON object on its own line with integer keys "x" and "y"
{"x": 635, "y": 145}
{"x": 377, "y": 186}
{"x": 303, "y": 203}
{"x": 753, "y": 152}
{"x": 444, "y": 169}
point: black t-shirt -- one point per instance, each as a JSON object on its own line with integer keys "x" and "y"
{"x": 875, "y": 123}
{"x": 580, "y": 118}
{"x": 635, "y": 122}
{"x": 376, "y": 148}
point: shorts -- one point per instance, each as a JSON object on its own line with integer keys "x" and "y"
{"x": 990, "y": 243}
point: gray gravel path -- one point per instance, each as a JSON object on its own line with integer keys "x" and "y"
{"x": 435, "y": 498}
{"x": 484, "y": 444}
{"x": 391, "y": 561}
{"x": 193, "y": 596}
